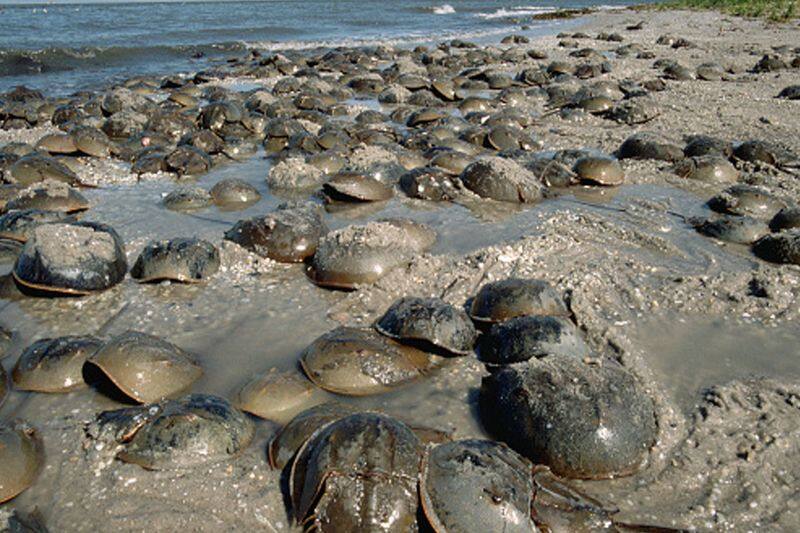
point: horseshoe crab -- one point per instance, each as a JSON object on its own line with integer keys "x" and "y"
{"x": 445, "y": 89}
{"x": 425, "y": 116}
{"x": 747, "y": 200}
{"x": 505, "y": 137}
{"x": 72, "y": 259}
{"x": 194, "y": 430}
{"x": 646, "y": 145}
{"x": 599, "y": 170}
{"x": 289, "y": 234}
{"x": 634, "y": 111}
{"x": 502, "y": 179}
{"x": 291, "y": 437}
{"x": 477, "y": 485}
{"x": 430, "y": 324}
{"x": 786, "y": 218}
{"x": 352, "y": 186}
{"x": 188, "y": 161}
{"x": 32, "y": 168}
{"x": 54, "y": 365}
{"x": 327, "y": 162}
{"x": 358, "y": 473}
{"x": 522, "y": 338}
{"x": 551, "y": 172}
{"x": 428, "y": 183}
{"x": 57, "y": 143}
{"x": 91, "y": 141}
{"x": 360, "y": 362}
{"x": 792, "y": 92}
{"x": 234, "y": 192}
{"x": 452, "y": 161}
{"x": 460, "y": 483}
{"x": 501, "y": 300}
{"x": 21, "y": 459}
{"x": 700, "y": 145}
{"x": 730, "y": 228}
{"x": 582, "y": 420}
{"x": 184, "y": 260}
{"x": 783, "y": 247}
{"x": 186, "y": 198}
{"x": 146, "y": 368}
{"x": 361, "y": 254}
{"x": 19, "y": 225}
{"x": 710, "y": 168}
{"x": 756, "y": 151}
{"x": 49, "y": 196}
{"x": 277, "y": 396}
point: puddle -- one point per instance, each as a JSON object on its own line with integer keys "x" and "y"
{"x": 689, "y": 354}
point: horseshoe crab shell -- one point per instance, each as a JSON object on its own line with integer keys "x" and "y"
{"x": 91, "y": 141}
{"x": 286, "y": 443}
{"x": 503, "y": 180}
{"x": 429, "y": 323}
{"x": 184, "y": 260}
{"x": 730, "y": 228}
{"x": 21, "y": 459}
{"x": 72, "y": 259}
{"x": 232, "y": 192}
{"x": 599, "y": 170}
{"x": 476, "y": 485}
{"x": 193, "y": 430}
{"x": 35, "y": 167}
{"x": 428, "y": 183}
{"x": 186, "y": 198}
{"x": 358, "y": 473}
{"x": 19, "y": 225}
{"x": 500, "y": 300}
{"x": 747, "y": 200}
{"x": 522, "y": 338}
{"x": 782, "y": 247}
{"x": 708, "y": 168}
{"x": 276, "y": 395}
{"x": 582, "y": 420}
{"x": 351, "y": 186}
{"x": 49, "y": 196}
{"x": 360, "y": 362}
{"x": 54, "y": 365}
{"x": 362, "y": 254}
{"x": 786, "y": 218}
{"x": 146, "y": 368}
{"x": 57, "y": 143}
{"x": 288, "y": 235}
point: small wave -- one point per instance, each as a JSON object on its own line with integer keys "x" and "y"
{"x": 275, "y": 46}
{"x": 606, "y": 7}
{"x": 516, "y": 12}
{"x": 16, "y": 62}
{"x": 444, "y": 9}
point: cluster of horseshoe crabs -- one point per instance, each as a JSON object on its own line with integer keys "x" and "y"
{"x": 459, "y": 124}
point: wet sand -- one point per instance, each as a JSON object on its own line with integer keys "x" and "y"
{"x": 676, "y": 308}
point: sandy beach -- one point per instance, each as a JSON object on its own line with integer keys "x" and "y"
{"x": 708, "y": 328}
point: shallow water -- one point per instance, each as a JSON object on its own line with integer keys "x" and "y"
{"x": 690, "y": 354}
{"x": 238, "y": 326}
{"x": 64, "y": 46}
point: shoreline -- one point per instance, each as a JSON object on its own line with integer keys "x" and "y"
{"x": 627, "y": 258}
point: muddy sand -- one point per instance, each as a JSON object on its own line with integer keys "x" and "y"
{"x": 711, "y": 330}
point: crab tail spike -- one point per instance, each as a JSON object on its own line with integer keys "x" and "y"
{"x": 548, "y": 483}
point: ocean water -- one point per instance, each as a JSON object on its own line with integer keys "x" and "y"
{"x": 65, "y": 46}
